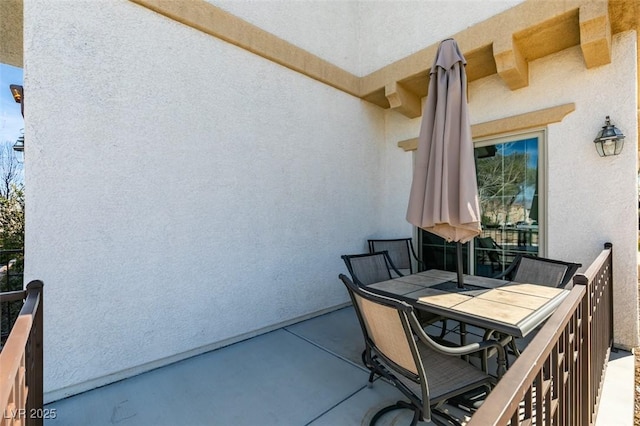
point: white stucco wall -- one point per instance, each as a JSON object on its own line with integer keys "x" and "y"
{"x": 328, "y": 29}
{"x": 590, "y": 200}
{"x": 391, "y": 30}
{"x": 363, "y": 36}
{"x": 182, "y": 191}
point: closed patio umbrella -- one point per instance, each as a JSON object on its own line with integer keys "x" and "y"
{"x": 444, "y": 190}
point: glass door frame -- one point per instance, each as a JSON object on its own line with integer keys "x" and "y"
{"x": 541, "y": 135}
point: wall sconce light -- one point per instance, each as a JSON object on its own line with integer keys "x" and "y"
{"x": 18, "y": 95}
{"x": 609, "y": 140}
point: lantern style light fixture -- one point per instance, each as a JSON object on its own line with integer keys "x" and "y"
{"x": 609, "y": 140}
{"x": 17, "y": 92}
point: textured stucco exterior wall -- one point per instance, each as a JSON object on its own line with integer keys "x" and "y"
{"x": 328, "y": 29}
{"x": 391, "y": 30}
{"x": 182, "y": 191}
{"x": 363, "y": 36}
{"x": 590, "y": 200}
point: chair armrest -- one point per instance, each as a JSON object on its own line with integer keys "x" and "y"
{"x": 413, "y": 254}
{"x": 507, "y": 272}
{"x": 572, "y": 268}
{"x": 400, "y": 274}
{"x": 390, "y": 263}
{"x": 461, "y": 350}
{"x": 502, "y": 275}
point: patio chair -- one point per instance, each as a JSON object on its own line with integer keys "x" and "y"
{"x": 371, "y": 268}
{"x": 538, "y": 270}
{"x": 427, "y": 373}
{"x": 400, "y": 252}
{"x": 490, "y": 250}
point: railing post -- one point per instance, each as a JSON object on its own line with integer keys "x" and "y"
{"x": 609, "y": 246}
{"x": 35, "y": 399}
{"x": 585, "y": 337}
{"x": 594, "y": 354}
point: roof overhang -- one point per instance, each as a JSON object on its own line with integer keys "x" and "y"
{"x": 503, "y": 44}
{"x": 11, "y": 32}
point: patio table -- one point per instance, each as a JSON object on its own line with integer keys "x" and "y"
{"x": 506, "y": 307}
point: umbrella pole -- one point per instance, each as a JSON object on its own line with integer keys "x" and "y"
{"x": 459, "y": 268}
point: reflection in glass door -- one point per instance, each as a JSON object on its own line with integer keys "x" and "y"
{"x": 508, "y": 189}
{"x": 508, "y": 179}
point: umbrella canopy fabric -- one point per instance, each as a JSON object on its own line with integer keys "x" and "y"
{"x": 444, "y": 190}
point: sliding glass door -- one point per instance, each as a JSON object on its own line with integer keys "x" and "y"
{"x": 510, "y": 187}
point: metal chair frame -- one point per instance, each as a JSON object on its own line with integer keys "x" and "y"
{"x": 511, "y": 274}
{"x": 383, "y": 362}
{"x": 512, "y": 270}
{"x": 425, "y": 318}
{"x": 348, "y": 260}
{"x": 402, "y": 256}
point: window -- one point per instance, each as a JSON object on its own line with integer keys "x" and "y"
{"x": 511, "y": 190}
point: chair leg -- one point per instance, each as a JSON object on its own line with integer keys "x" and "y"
{"x": 364, "y": 358}
{"x": 372, "y": 374}
{"x": 469, "y": 401}
{"x": 400, "y": 405}
{"x": 514, "y": 348}
{"x": 463, "y": 338}
{"x": 463, "y": 334}
{"x": 444, "y": 328}
{"x": 416, "y": 417}
{"x": 450, "y": 420}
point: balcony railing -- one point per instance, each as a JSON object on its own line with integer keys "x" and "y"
{"x": 21, "y": 361}
{"x": 558, "y": 378}
{"x": 11, "y": 279}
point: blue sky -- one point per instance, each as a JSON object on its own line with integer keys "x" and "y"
{"x": 10, "y": 117}
{"x": 524, "y": 146}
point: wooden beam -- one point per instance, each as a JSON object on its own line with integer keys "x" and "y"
{"x": 511, "y": 65}
{"x": 403, "y": 100}
{"x": 504, "y": 43}
{"x": 595, "y": 34}
{"x": 515, "y": 123}
{"x": 409, "y": 144}
{"x": 216, "y": 22}
{"x": 547, "y": 17}
{"x": 11, "y": 33}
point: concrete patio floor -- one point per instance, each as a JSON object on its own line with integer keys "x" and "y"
{"x": 308, "y": 373}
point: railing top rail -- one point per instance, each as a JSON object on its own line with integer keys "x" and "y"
{"x": 502, "y": 399}
{"x": 13, "y": 350}
{"x": 595, "y": 266}
{"x": 12, "y": 296}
